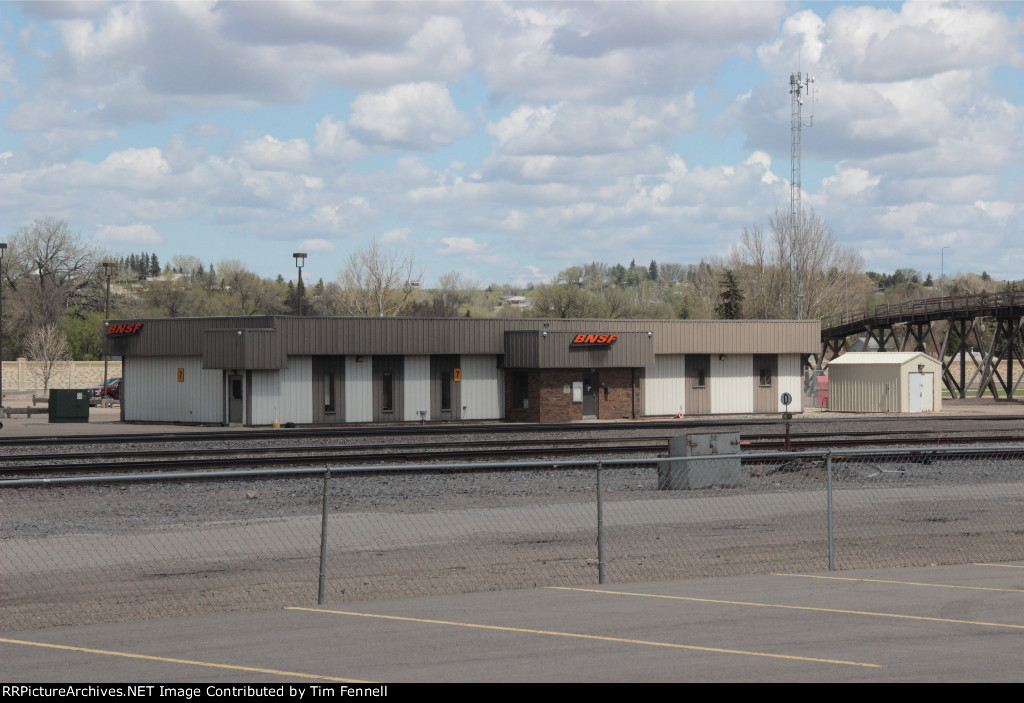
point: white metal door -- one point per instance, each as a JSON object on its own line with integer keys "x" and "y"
{"x": 915, "y": 392}
{"x": 927, "y": 391}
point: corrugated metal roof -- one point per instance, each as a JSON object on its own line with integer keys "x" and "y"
{"x": 881, "y": 358}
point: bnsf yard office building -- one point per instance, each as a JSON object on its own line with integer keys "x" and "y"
{"x": 333, "y": 370}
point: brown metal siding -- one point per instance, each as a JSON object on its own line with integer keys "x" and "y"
{"x": 522, "y": 349}
{"x": 630, "y": 350}
{"x": 306, "y": 336}
{"x": 252, "y": 349}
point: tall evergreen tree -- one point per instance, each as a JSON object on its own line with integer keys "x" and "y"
{"x": 731, "y": 307}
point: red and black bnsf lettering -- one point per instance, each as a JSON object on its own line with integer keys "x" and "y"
{"x": 594, "y": 339}
{"x": 131, "y": 328}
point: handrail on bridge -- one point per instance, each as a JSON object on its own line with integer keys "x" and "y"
{"x": 950, "y": 303}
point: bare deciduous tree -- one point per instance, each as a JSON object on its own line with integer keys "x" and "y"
{"x": 49, "y": 268}
{"x": 455, "y": 291}
{"x": 798, "y": 269}
{"x": 375, "y": 284}
{"x": 48, "y": 345}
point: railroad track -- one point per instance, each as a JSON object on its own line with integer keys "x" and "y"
{"x": 173, "y": 458}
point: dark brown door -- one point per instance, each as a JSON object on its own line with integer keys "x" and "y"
{"x": 766, "y": 396}
{"x": 698, "y": 384}
{"x": 328, "y": 389}
{"x": 387, "y": 389}
{"x": 444, "y": 388}
{"x": 590, "y": 386}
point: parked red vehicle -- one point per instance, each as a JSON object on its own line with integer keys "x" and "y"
{"x": 111, "y": 388}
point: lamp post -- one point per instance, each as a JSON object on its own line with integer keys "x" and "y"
{"x": 3, "y": 248}
{"x": 300, "y": 260}
{"x": 108, "y": 269}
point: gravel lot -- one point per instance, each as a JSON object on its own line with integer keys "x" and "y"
{"x": 110, "y": 552}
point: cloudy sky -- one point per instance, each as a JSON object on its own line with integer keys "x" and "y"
{"x": 508, "y": 140}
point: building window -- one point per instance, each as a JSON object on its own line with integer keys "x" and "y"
{"x": 329, "y": 393}
{"x": 446, "y": 390}
{"x": 701, "y": 379}
{"x": 766, "y": 376}
{"x": 387, "y": 391}
{"x": 520, "y": 390}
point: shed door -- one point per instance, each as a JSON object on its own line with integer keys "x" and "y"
{"x": 914, "y": 393}
{"x": 921, "y": 392}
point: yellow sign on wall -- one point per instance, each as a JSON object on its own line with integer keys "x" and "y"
{"x": 457, "y": 375}
{"x": 181, "y": 375}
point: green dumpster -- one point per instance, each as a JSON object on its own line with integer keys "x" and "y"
{"x": 69, "y": 405}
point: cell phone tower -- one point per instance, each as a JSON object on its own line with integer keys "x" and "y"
{"x": 799, "y": 85}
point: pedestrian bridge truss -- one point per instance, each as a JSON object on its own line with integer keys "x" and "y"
{"x": 978, "y": 335}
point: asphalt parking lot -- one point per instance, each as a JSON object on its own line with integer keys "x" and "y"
{"x": 959, "y": 623}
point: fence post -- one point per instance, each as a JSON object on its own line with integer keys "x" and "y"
{"x": 323, "y": 543}
{"x": 600, "y": 528}
{"x": 828, "y": 490}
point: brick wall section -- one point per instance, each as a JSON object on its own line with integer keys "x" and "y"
{"x": 531, "y": 414}
{"x": 549, "y": 403}
{"x": 620, "y": 403}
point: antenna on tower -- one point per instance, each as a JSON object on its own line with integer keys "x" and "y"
{"x": 799, "y": 85}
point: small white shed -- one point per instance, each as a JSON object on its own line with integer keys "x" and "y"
{"x": 872, "y": 382}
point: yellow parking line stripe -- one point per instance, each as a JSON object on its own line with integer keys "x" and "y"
{"x": 903, "y": 583}
{"x": 130, "y": 655}
{"x": 792, "y": 607}
{"x": 1005, "y": 566}
{"x": 592, "y": 637}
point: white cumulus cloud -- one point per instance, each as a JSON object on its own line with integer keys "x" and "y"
{"x": 128, "y": 235}
{"x": 418, "y": 116}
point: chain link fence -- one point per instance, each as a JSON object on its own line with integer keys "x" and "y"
{"x": 82, "y": 550}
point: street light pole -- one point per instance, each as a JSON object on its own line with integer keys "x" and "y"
{"x": 3, "y": 248}
{"x": 108, "y": 267}
{"x": 300, "y": 260}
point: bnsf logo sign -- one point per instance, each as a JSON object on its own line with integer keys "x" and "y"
{"x": 594, "y": 339}
{"x": 132, "y": 328}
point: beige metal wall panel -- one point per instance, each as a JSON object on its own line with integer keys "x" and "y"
{"x": 791, "y": 381}
{"x": 868, "y": 388}
{"x": 665, "y": 386}
{"x": 296, "y": 391}
{"x": 417, "y": 387}
{"x": 483, "y": 387}
{"x": 266, "y": 393}
{"x": 732, "y": 384}
{"x": 153, "y": 392}
{"x": 358, "y": 389}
